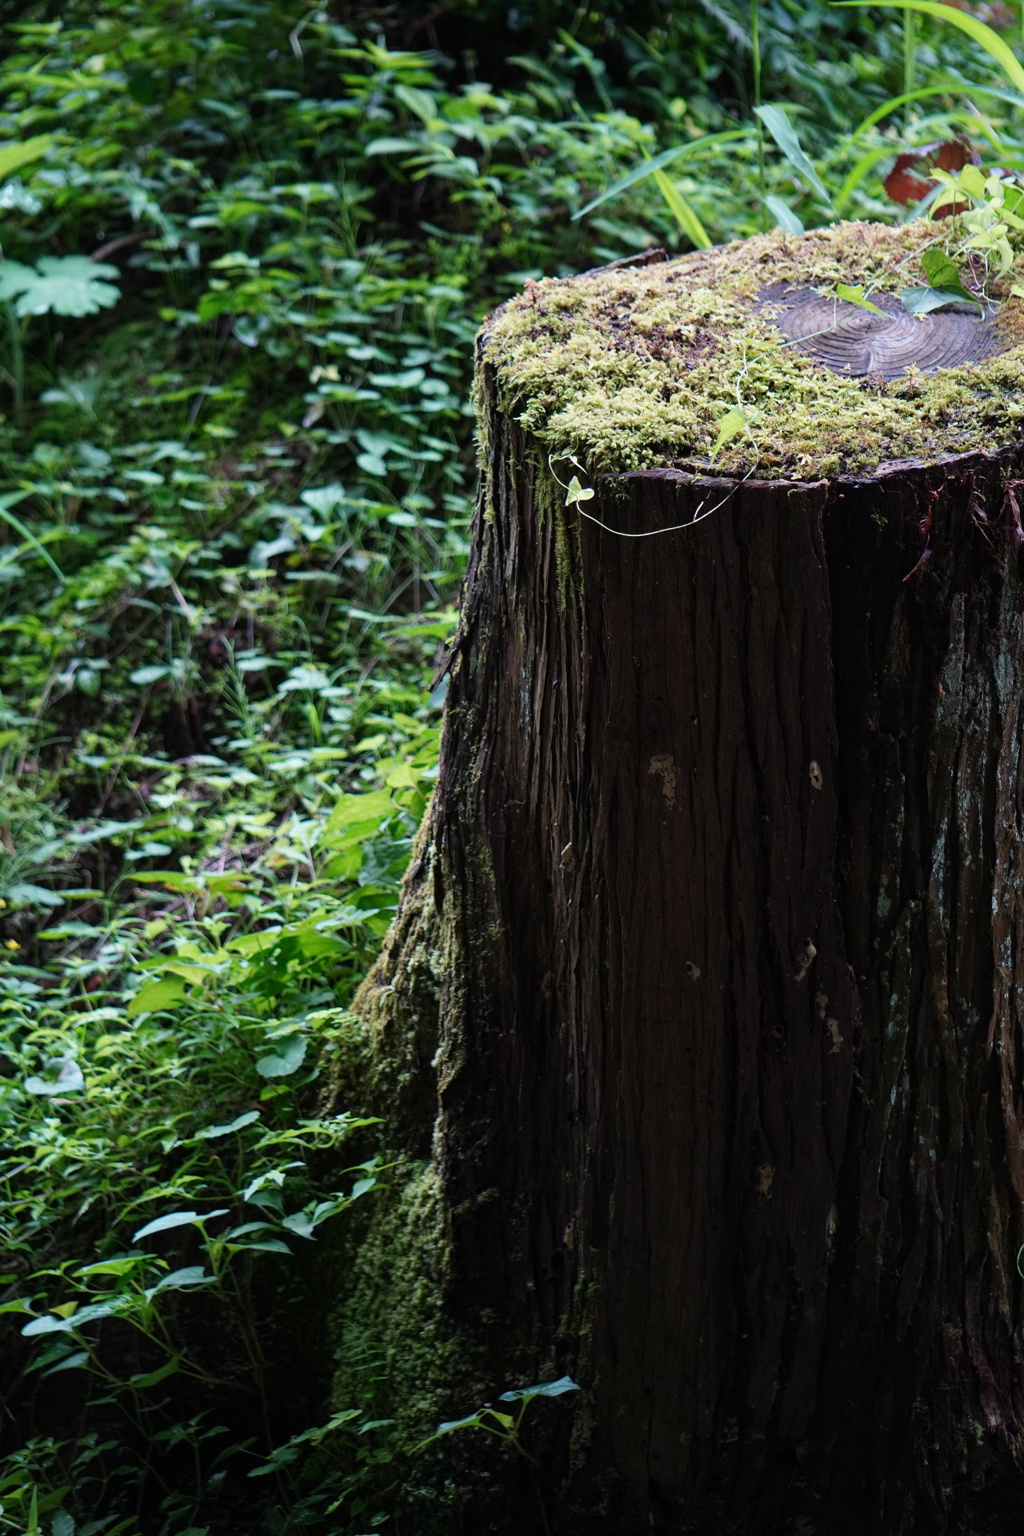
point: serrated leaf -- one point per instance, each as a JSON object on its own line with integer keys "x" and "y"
{"x": 59, "y": 285}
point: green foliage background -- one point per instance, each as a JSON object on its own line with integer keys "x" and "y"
{"x": 235, "y": 490}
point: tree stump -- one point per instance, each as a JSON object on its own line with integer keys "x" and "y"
{"x": 716, "y": 920}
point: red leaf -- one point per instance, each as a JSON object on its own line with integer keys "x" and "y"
{"x": 904, "y": 183}
{"x": 909, "y": 180}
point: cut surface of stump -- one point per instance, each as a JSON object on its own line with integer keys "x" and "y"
{"x": 851, "y": 339}
{"x": 706, "y": 992}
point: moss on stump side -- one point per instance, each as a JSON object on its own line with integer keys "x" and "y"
{"x": 391, "y": 1326}
{"x": 631, "y": 368}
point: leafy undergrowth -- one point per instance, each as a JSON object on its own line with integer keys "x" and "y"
{"x": 246, "y": 251}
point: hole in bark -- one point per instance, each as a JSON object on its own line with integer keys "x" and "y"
{"x": 853, "y": 341}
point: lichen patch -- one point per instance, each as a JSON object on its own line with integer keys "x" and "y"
{"x": 632, "y": 368}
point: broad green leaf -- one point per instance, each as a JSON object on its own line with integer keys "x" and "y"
{"x": 239, "y": 1123}
{"x": 156, "y": 996}
{"x": 122, "y": 1266}
{"x": 944, "y": 286}
{"x": 446, "y": 1428}
{"x": 923, "y": 301}
{"x": 992, "y": 43}
{"x": 350, "y": 810}
{"x": 544, "y": 1389}
{"x": 14, "y": 156}
{"x": 151, "y": 1378}
{"x": 391, "y": 147}
{"x": 940, "y": 270}
{"x": 422, "y": 103}
{"x": 181, "y": 1280}
{"x": 23, "y": 891}
{"x": 62, "y": 1524}
{"x": 166, "y": 1223}
{"x": 150, "y": 674}
{"x": 175, "y": 1219}
{"x": 784, "y": 134}
{"x": 73, "y": 1362}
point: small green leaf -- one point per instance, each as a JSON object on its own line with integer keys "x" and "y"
{"x": 731, "y": 425}
{"x": 941, "y": 270}
{"x": 856, "y": 296}
{"x": 576, "y": 492}
{"x": 288, "y": 1058}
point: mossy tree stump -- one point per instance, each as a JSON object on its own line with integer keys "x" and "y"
{"x": 716, "y": 922}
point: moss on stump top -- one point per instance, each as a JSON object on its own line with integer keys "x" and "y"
{"x": 633, "y": 367}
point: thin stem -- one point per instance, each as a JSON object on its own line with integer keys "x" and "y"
{"x": 755, "y": 45}
{"x": 17, "y": 364}
{"x": 909, "y": 56}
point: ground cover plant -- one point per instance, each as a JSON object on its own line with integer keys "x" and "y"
{"x": 246, "y": 251}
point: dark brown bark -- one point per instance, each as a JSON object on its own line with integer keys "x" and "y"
{"x": 724, "y": 872}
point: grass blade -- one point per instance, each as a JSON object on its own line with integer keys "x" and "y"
{"x": 954, "y": 88}
{"x": 681, "y": 211}
{"x": 783, "y": 215}
{"x": 657, "y": 162}
{"x": 8, "y": 517}
{"x": 853, "y": 180}
{"x": 977, "y": 30}
{"x": 784, "y": 134}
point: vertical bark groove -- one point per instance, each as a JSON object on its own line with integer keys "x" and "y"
{"x": 726, "y": 856}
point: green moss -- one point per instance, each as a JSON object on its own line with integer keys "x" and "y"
{"x": 630, "y": 368}
{"x": 391, "y": 1328}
